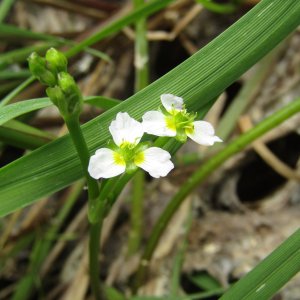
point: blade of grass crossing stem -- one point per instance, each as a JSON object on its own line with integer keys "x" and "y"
{"x": 42, "y": 246}
{"x": 202, "y": 173}
{"x": 141, "y": 81}
{"x": 271, "y": 274}
{"x": 17, "y": 109}
{"x": 199, "y": 80}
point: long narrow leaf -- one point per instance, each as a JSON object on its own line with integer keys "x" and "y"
{"x": 20, "y": 108}
{"x": 199, "y": 80}
{"x": 271, "y": 274}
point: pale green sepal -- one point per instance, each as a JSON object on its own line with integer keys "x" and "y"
{"x": 71, "y": 92}
{"x": 56, "y": 61}
{"x": 38, "y": 68}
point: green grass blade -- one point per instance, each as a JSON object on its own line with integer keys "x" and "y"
{"x": 14, "y": 110}
{"x": 5, "y": 6}
{"x": 200, "y": 79}
{"x": 9, "y": 31}
{"x": 23, "y": 136}
{"x": 7, "y": 74}
{"x": 271, "y": 274}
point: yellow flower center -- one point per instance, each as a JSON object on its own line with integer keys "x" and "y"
{"x": 170, "y": 123}
{"x": 118, "y": 159}
{"x": 189, "y": 129}
{"x": 139, "y": 158}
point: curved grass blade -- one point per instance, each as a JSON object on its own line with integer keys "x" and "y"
{"x": 14, "y": 110}
{"x": 199, "y": 80}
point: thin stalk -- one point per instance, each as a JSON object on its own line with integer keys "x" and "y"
{"x": 84, "y": 156}
{"x": 179, "y": 258}
{"x": 136, "y": 216}
{"x": 203, "y": 172}
{"x": 141, "y": 81}
{"x": 94, "y": 245}
{"x": 5, "y": 6}
{"x": 93, "y": 192}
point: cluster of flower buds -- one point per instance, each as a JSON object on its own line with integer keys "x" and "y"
{"x": 63, "y": 91}
{"x": 125, "y": 153}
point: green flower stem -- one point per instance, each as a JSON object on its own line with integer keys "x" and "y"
{"x": 137, "y": 206}
{"x": 141, "y": 81}
{"x": 93, "y": 190}
{"x": 118, "y": 188}
{"x": 84, "y": 156}
{"x": 202, "y": 173}
{"x": 102, "y": 206}
{"x": 94, "y": 245}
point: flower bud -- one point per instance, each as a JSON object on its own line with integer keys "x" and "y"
{"x": 38, "y": 68}
{"x": 71, "y": 93}
{"x": 56, "y": 61}
{"x": 57, "y": 96}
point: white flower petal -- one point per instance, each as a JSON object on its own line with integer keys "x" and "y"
{"x": 103, "y": 164}
{"x": 126, "y": 129}
{"x": 171, "y": 102}
{"x": 204, "y": 134}
{"x": 156, "y": 162}
{"x": 154, "y": 122}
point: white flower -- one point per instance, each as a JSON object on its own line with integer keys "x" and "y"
{"x": 177, "y": 122}
{"x": 203, "y": 134}
{"x": 156, "y": 162}
{"x": 126, "y": 130}
{"x": 127, "y": 154}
